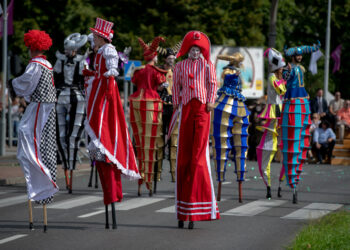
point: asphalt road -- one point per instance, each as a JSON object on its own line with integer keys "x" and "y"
{"x": 76, "y": 221}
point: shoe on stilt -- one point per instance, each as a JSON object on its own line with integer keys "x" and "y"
{"x": 190, "y": 225}
{"x": 279, "y": 193}
{"x": 268, "y": 192}
{"x": 180, "y": 224}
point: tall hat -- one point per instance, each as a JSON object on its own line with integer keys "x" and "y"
{"x": 235, "y": 59}
{"x": 37, "y": 40}
{"x": 304, "y": 49}
{"x": 150, "y": 51}
{"x": 103, "y": 29}
{"x": 75, "y": 41}
{"x": 275, "y": 59}
{"x": 195, "y": 38}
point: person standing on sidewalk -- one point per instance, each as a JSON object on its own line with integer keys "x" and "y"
{"x": 195, "y": 77}
{"x": 36, "y": 151}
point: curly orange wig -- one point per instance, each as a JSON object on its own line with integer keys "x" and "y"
{"x": 37, "y": 40}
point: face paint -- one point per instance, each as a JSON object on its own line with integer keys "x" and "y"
{"x": 170, "y": 60}
{"x": 194, "y": 53}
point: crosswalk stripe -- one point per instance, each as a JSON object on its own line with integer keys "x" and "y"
{"x": 13, "y": 200}
{"x": 126, "y": 205}
{"x": 226, "y": 183}
{"x": 254, "y": 208}
{"x": 75, "y": 202}
{"x": 313, "y": 211}
{"x": 14, "y": 237}
{"x": 170, "y": 209}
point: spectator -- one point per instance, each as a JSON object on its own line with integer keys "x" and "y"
{"x": 324, "y": 141}
{"x": 343, "y": 117}
{"x": 315, "y": 123}
{"x": 319, "y": 104}
{"x": 336, "y": 104}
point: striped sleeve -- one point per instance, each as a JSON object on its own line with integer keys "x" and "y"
{"x": 211, "y": 83}
{"x": 176, "y": 84}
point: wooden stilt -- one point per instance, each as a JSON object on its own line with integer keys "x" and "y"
{"x": 240, "y": 191}
{"x": 106, "y": 212}
{"x": 96, "y": 178}
{"x": 31, "y": 227}
{"x": 114, "y": 220}
{"x": 139, "y": 190}
{"x": 219, "y": 191}
{"x": 91, "y": 174}
{"x": 45, "y": 218}
{"x": 66, "y": 177}
{"x": 70, "y": 182}
{"x": 279, "y": 192}
{"x": 155, "y": 177}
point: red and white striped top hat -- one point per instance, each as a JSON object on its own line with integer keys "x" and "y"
{"x": 103, "y": 28}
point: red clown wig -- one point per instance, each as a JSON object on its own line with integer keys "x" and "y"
{"x": 37, "y": 40}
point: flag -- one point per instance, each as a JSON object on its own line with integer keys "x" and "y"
{"x": 313, "y": 61}
{"x": 9, "y": 19}
{"x": 336, "y": 57}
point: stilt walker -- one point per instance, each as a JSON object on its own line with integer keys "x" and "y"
{"x": 296, "y": 118}
{"x": 110, "y": 145}
{"x": 146, "y": 109}
{"x": 70, "y": 102}
{"x": 230, "y": 124}
{"x": 266, "y": 150}
{"x": 36, "y": 151}
{"x": 195, "y": 77}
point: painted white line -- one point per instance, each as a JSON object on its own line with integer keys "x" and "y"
{"x": 254, "y": 208}
{"x": 75, "y": 202}
{"x": 15, "y": 237}
{"x": 165, "y": 196}
{"x": 126, "y": 205}
{"x": 13, "y": 200}
{"x": 312, "y": 211}
{"x": 170, "y": 209}
{"x": 226, "y": 183}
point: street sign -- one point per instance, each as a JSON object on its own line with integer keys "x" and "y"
{"x": 129, "y": 69}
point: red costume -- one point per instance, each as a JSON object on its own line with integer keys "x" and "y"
{"x": 146, "y": 109}
{"x": 196, "y": 80}
{"x": 110, "y": 144}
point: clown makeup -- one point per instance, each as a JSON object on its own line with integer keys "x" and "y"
{"x": 194, "y": 53}
{"x": 170, "y": 60}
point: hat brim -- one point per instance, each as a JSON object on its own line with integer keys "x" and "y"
{"x": 101, "y": 34}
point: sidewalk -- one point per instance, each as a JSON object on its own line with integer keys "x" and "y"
{"x": 11, "y": 172}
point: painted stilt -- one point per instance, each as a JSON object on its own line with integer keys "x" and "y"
{"x": 279, "y": 193}
{"x": 106, "y": 212}
{"x": 219, "y": 191}
{"x": 155, "y": 177}
{"x": 96, "y": 178}
{"x": 240, "y": 191}
{"x": 66, "y": 178}
{"x": 114, "y": 220}
{"x": 268, "y": 192}
{"x": 295, "y": 196}
{"x": 91, "y": 174}
{"x": 180, "y": 224}
{"x": 31, "y": 227}
{"x": 70, "y": 182}
{"x": 45, "y": 218}
{"x": 191, "y": 225}
{"x": 139, "y": 190}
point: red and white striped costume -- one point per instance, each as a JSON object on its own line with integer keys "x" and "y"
{"x": 195, "y": 197}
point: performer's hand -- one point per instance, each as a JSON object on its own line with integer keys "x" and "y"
{"x": 330, "y": 139}
{"x": 175, "y": 106}
{"x": 210, "y": 107}
{"x": 318, "y": 145}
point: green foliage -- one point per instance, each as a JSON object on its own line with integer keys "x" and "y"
{"x": 330, "y": 232}
{"x": 226, "y": 22}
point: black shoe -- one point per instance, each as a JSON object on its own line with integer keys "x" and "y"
{"x": 279, "y": 192}
{"x": 31, "y": 226}
{"x": 180, "y": 224}
{"x": 70, "y": 191}
{"x": 190, "y": 225}
{"x": 268, "y": 193}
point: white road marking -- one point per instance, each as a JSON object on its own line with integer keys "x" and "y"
{"x": 170, "y": 209}
{"x": 226, "y": 183}
{"x": 15, "y": 237}
{"x": 126, "y": 205}
{"x": 13, "y": 200}
{"x": 254, "y": 208}
{"x": 313, "y": 211}
{"x": 75, "y": 202}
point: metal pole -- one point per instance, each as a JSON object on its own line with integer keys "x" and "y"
{"x": 273, "y": 20}
{"x": 9, "y": 111}
{"x": 4, "y": 79}
{"x": 328, "y": 38}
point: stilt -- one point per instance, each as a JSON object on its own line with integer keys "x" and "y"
{"x": 114, "y": 220}
{"x": 150, "y": 194}
{"x": 219, "y": 191}
{"x": 180, "y": 224}
{"x": 268, "y": 192}
{"x": 295, "y": 196}
{"x": 31, "y": 227}
{"x": 139, "y": 190}
{"x": 45, "y": 218}
{"x": 240, "y": 191}
{"x": 191, "y": 225}
{"x": 106, "y": 212}
{"x": 96, "y": 178}
{"x": 91, "y": 174}
{"x": 67, "y": 178}
{"x": 279, "y": 192}
{"x": 155, "y": 177}
{"x": 70, "y": 182}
